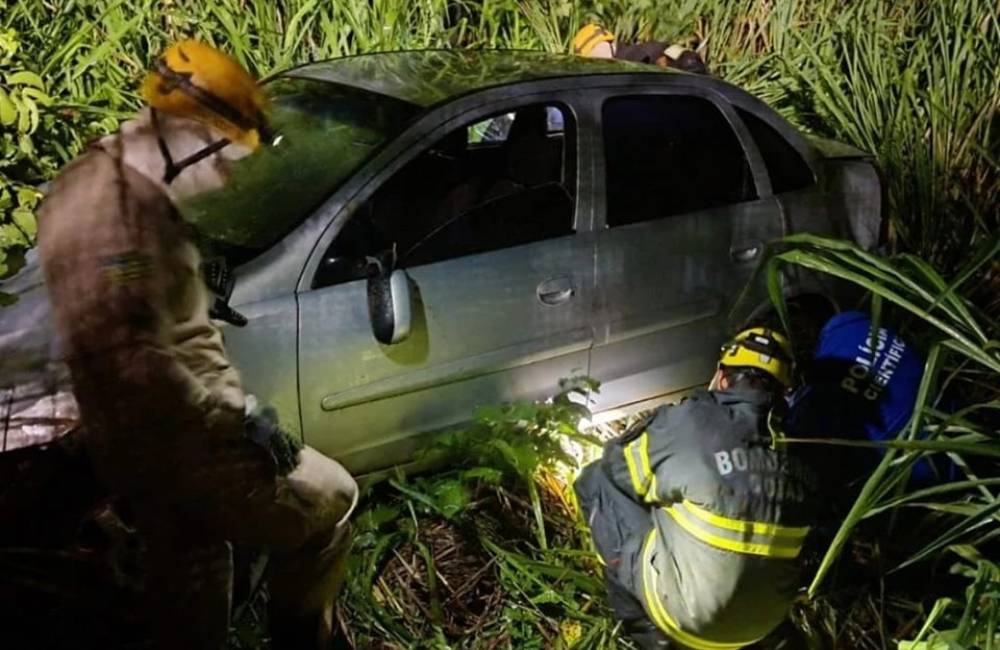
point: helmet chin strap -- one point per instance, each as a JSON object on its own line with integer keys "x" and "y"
{"x": 173, "y": 169}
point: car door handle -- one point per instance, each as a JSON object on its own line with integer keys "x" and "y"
{"x": 746, "y": 252}
{"x": 556, "y": 290}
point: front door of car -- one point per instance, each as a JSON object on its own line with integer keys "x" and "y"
{"x": 686, "y": 218}
{"x": 484, "y": 223}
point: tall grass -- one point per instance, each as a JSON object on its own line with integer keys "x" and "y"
{"x": 912, "y": 81}
{"x": 956, "y": 414}
{"x": 490, "y": 552}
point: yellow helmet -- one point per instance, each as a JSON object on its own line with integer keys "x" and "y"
{"x": 194, "y": 80}
{"x": 760, "y": 348}
{"x": 589, "y": 37}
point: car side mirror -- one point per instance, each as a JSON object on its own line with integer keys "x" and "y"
{"x": 389, "y": 303}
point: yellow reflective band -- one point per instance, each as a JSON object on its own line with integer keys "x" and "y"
{"x": 651, "y": 493}
{"x": 644, "y": 457}
{"x": 639, "y": 469}
{"x": 736, "y": 546}
{"x": 745, "y": 527}
{"x": 633, "y": 471}
{"x": 659, "y": 613}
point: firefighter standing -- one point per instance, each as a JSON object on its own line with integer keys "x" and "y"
{"x": 698, "y": 516}
{"x": 162, "y": 406}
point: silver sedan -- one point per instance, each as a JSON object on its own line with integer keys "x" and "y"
{"x": 434, "y": 231}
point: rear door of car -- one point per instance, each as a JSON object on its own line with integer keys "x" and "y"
{"x": 839, "y": 197}
{"x": 483, "y": 216}
{"x": 687, "y": 210}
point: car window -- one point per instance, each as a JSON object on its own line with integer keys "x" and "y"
{"x": 670, "y": 154}
{"x": 786, "y": 167}
{"x": 494, "y": 130}
{"x": 460, "y": 198}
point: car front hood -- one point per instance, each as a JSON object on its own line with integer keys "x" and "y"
{"x": 834, "y": 150}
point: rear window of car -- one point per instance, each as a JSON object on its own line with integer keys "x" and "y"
{"x": 323, "y": 133}
{"x": 787, "y": 168}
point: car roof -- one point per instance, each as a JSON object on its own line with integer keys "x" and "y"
{"x": 430, "y": 77}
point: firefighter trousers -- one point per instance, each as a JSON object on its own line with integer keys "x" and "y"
{"x": 301, "y": 518}
{"x": 618, "y": 525}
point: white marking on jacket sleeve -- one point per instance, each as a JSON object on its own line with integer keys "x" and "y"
{"x": 723, "y": 462}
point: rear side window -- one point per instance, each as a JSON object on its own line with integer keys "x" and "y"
{"x": 786, "y": 167}
{"x": 668, "y": 155}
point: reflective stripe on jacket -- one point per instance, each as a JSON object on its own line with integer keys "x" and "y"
{"x": 717, "y": 570}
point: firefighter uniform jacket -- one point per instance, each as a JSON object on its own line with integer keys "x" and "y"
{"x": 725, "y": 516}
{"x": 149, "y": 367}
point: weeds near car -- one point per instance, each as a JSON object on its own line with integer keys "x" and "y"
{"x": 956, "y": 415}
{"x": 489, "y": 553}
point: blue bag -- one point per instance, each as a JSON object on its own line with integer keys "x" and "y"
{"x": 858, "y": 388}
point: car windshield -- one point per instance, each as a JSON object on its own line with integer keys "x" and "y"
{"x": 324, "y": 131}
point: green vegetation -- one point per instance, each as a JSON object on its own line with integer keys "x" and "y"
{"x": 955, "y": 415}
{"x": 914, "y": 82}
{"x": 486, "y": 554}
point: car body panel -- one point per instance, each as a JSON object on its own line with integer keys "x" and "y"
{"x": 658, "y": 283}
{"x": 831, "y": 149}
{"x": 266, "y": 352}
{"x": 478, "y": 323}
{"x": 36, "y": 402}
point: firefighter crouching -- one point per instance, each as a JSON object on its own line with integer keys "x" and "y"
{"x": 698, "y": 517}
{"x": 162, "y": 405}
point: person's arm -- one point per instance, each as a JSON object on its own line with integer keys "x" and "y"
{"x": 641, "y": 457}
{"x": 654, "y": 462}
